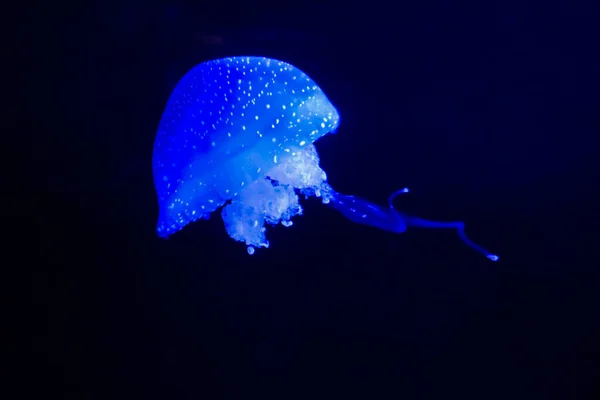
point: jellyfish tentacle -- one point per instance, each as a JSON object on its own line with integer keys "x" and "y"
{"x": 396, "y": 194}
{"x": 389, "y": 219}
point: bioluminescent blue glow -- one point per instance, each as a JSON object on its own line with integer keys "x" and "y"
{"x": 238, "y": 132}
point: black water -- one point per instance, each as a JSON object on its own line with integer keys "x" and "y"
{"x": 486, "y": 110}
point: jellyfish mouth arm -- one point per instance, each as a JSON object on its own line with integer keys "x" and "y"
{"x": 365, "y": 212}
{"x": 389, "y": 219}
{"x": 457, "y": 225}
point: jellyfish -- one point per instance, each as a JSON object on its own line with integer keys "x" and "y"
{"x": 238, "y": 134}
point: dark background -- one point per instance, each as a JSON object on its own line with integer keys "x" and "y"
{"x": 487, "y": 110}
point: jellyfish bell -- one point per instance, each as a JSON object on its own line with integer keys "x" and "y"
{"x": 240, "y": 129}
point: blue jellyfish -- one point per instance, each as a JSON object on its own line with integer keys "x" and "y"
{"x": 238, "y": 133}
